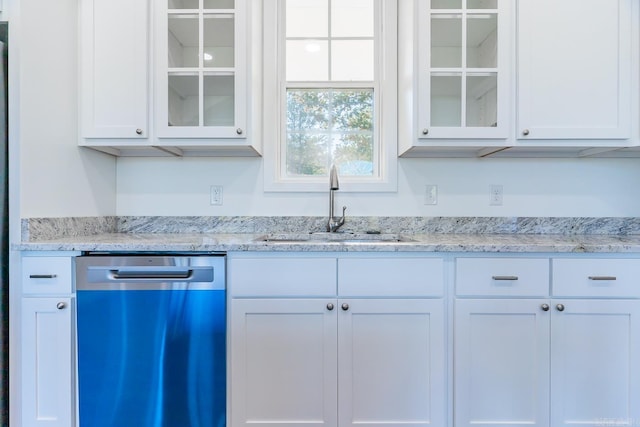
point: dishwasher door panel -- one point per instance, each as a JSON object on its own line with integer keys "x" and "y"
{"x": 152, "y": 358}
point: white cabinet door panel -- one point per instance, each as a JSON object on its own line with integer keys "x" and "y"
{"x": 47, "y": 363}
{"x": 501, "y": 364}
{"x": 595, "y": 376}
{"x": 574, "y": 69}
{"x": 114, "y": 68}
{"x": 283, "y": 363}
{"x": 391, "y": 363}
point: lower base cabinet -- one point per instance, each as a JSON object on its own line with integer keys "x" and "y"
{"x": 47, "y": 367}
{"x": 568, "y": 358}
{"x": 342, "y": 362}
{"x": 307, "y": 353}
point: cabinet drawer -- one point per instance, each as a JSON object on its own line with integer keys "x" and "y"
{"x": 390, "y": 277}
{"x": 47, "y": 275}
{"x": 282, "y": 277}
{"x": 502, "y": 277}
{"x": 615, "y": 278}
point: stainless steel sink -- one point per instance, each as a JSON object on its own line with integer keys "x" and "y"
{"x": 325, "y": 237}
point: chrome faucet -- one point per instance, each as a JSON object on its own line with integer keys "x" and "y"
{"x": 334, "y": 222}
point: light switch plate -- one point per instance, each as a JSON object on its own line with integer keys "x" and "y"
{"x": 216, "y": 195}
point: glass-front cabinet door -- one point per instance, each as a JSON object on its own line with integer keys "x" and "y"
{"x": 462, "y": 68}
{"x": 201, "y": 72}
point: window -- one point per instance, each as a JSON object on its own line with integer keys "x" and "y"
{"x": 330, "y": 93}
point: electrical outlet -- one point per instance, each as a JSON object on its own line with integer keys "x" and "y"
{"x": 431, "y": 195}
{"x": 216, "y": 195}
{"x": 495, "y": 197}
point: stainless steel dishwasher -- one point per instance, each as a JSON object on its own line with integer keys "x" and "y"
{"x": 151, "y": 340}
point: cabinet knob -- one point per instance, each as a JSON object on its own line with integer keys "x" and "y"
{"x": 345, "y": 306}
{"x": 329, "y": 306}
{"x": 525, "y": 132}
{"x": 139, "y": 131}
{"x": 239, "y": 131}
{"x": 425, "y": 131}
{"x": 560, "y": 307}
{"x": 545, "y": 307}
{"x": 61, "y": 306}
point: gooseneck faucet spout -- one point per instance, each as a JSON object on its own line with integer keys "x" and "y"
{"x": 334, "y": 222}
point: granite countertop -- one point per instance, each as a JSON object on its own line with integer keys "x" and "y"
{"x": 302, "y": 234}
{"x": 228, "y": 242}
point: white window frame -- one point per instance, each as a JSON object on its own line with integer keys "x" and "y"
{"x": 385, "y": 107}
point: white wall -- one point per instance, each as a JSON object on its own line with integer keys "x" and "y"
{"x": 532, "y": 187}
{"x": 57, "y": 178}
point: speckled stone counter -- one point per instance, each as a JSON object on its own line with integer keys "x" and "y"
{"x": 226, "y": 234}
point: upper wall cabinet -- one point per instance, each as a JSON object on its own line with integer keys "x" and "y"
{"x": 114, "y": 68}
{"x": 504, "y": 78}
{"x": 200, "y": 69}
{"x": 574, "y": 66}
{"x": 183, "y": 66}
{"x": 463, "y": 69}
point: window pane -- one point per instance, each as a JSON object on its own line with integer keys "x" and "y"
{"x": 482, "y": 41}
{"x": 482, "y": 4}
{"x": 352, "y": 110}
{"x": 446, "y": 41}
{"x": 308, "y": 109}
{"x": 183, "y": 41}
{"x": 352, "y": 60}
{"x": 352, "y": 18}
{"x": 482, "y": 100}
{"x": 307, "y": 60}
{"x": 353, "y": 154}
{"x": 307, "y": 18}
{"x": 218, "y": 41}
{"x": 446, "y": 101}
{"x": 307, "y": 154}
{"x": 183, "y": 101}
{"x": 184, "y": 4}
{"x": 219, "y": 4}
{"x": 333, "y": 126}
{"x": 219, "y": 107}
{"x": 446, "y": 4}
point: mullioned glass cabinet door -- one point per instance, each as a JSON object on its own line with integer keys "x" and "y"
{"x": 202, "y": 67}
{"x": 462, "y": 52}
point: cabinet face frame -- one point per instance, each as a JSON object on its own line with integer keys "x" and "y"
{"x": 423, "y": 52}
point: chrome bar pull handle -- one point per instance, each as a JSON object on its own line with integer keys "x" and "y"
{"x": 504, "y": 277}
{"x": 43, "y": 276}
{"x": 597, "y": 278}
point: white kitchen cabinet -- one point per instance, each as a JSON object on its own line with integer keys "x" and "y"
{"x": 595, "y": 346}
{"x": 283, "y": 362}
{"x": 463, "y": 68}
{"x": 114, "y": 38}
{"x": 47, "y": 367}
{"x": 170, "y": 78}
{"x": 559, "y": 360}
{"x": 201, "y": 69}
{"x": 391, "y": 367}
{"x": 501, "y": 369}
{"x": 47, "y": 358}
{"x": 322, "y": 359}
{"x": 574, "y": 82}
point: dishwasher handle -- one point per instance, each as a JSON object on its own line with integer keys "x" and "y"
{"x": 151, "y": 275}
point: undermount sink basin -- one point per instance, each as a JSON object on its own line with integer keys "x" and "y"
{"x": 325, "y": 237}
